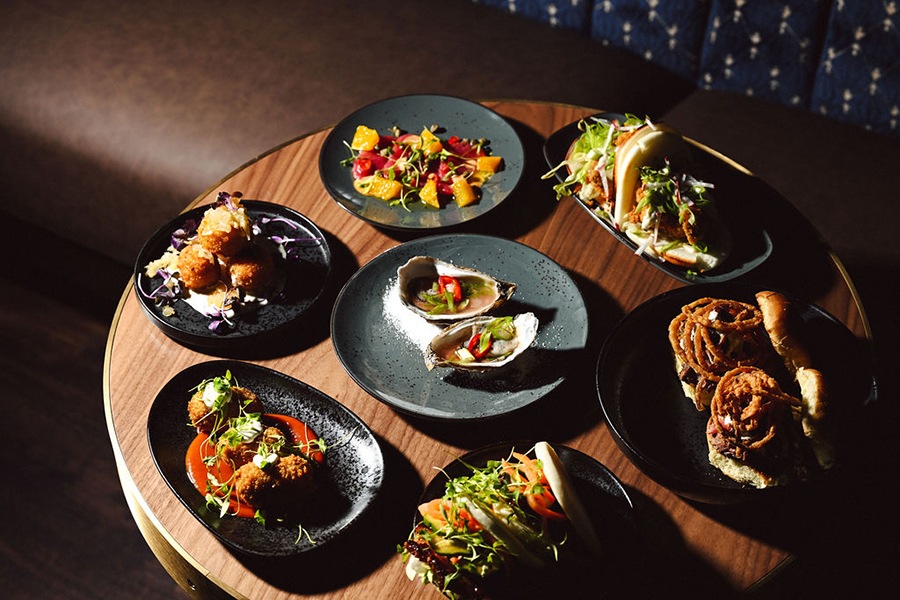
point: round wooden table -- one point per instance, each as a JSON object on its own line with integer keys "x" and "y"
{"x": 690, "y": 545}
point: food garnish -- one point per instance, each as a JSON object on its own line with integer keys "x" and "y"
{"x": 402, "y": 168}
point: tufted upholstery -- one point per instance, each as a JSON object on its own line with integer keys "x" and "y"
{"x": 837, "y": 58}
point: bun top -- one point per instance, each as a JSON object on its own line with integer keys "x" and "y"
{"x": 649, "y": 146}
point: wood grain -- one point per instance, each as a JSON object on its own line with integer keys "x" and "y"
{"x": 706, "y": 551}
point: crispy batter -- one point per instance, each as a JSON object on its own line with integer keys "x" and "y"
{"x": 279, "y": 485}
{"x": 749, "y": 410}
{"x": 252, "y": 269}
{"x": 712, "y": 336}
{"x": 224, "y": 230}
{"x": 198, "y": 267}
{"x": 205, "y": 420}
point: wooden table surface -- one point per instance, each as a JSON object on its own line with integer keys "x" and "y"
{"x": 687, "y": 544}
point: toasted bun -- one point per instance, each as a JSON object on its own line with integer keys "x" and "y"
{"x": 814, "y": 399}
{"x": 733, "y": 468}
{"x": 776, "y": 311}
{"x": 649, "y": 146}
{"x": 741, "y": 472}
{"x": 564, "y": 491}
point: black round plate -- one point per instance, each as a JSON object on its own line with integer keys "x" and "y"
{"x": 752, "y": 243}
{"x": 661, "y": 431}
{"x": 380, "y": 343}
{"x": 306, "y": 279}
{"x": 354, "y": 466}
{"x": 456, "y": 116}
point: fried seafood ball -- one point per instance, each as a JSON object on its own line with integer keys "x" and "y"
{"x": 205, "y": 419}
{"x": 279, "y": 485}
{"x": 198, "y": 267}
{"x": 252, "y": 269}
{"x": 224, "y": 230}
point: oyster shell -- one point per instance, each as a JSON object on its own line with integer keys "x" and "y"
{"x": 510, "y": 337}
{"x": 419, "y": 276}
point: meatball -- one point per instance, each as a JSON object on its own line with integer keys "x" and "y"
{"x": 224, "y": 231}
{"x": 252, "y": 269}
{"x": 198, "y": 267}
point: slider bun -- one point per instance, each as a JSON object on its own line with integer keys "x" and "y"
{"x": 685, "y": 255}
{"x": 776, "y": 310}
{"x": 564, "y": 491}
{"x": 648, "y": 146}
{"x": 814, "y": 399}
{"x": 740, "y": 472}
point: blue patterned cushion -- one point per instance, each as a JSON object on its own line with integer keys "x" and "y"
{"x": 667, "y": 33}
{"x": 858, "y": 80}
{"x": 564, "y": 14}
{"x": 765, "y": 49}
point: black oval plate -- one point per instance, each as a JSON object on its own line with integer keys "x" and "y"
{"x": 661, "y": 431}
{"x": 354, "y": 466}
{"x": 745, "y": 217}
{"x": 380, "y": 343}
{"x": 603, "y": 495}
{"x": 306, "y": 279}
{"x": 456, "y": 116}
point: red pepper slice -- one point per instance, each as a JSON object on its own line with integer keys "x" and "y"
{"x": 450, "y": 284}
{"x": 474, "y": 348}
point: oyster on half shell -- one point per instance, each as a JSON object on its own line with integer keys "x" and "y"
{"x": 421, "y": 283}
{"x": 462, "y": 345}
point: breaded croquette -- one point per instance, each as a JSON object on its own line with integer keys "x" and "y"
{"x": 198, "y": 267}
{"x": 224, "y": 230}
{"x": 252, "y": 269}
{"x": 205, "y": 418}
{"x": 279, "y": 485}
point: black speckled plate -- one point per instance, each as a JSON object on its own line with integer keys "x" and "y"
{"x": 380, "y": 343}
{"x": 659, "y": 429}
{"x": 350, "y": 481}
{"x": 306, "y": 278}
{"x": 603, "y": 495}
{"x": 752, "y": 244}
{"x": 455, "y": 116}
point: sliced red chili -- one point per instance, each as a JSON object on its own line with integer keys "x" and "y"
{"x": 447, "y": 284}
{"x": 476, "y": 348}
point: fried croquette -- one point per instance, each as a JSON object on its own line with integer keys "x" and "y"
{"x": 252, "y": 269}
{"x": 224, "y": 230}
{"x": 279, "y": 485}
{"x": 205, "y": 419}
{"x": 239, "y": 452}
{"x": 198, "y": 267}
